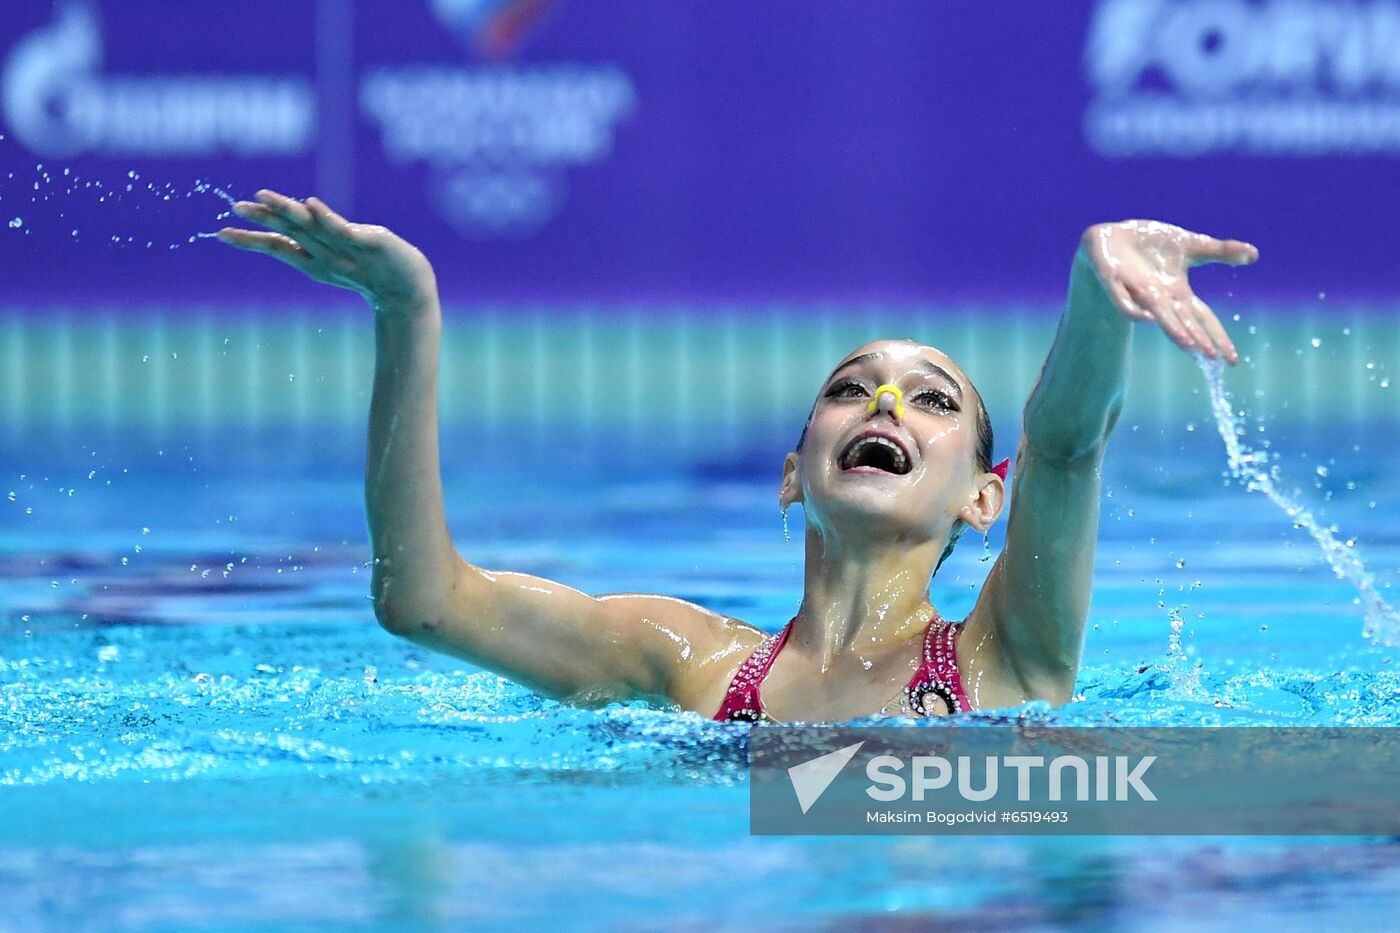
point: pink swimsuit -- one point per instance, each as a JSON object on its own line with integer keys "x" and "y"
{"x": 937, "y": 675}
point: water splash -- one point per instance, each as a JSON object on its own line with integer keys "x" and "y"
{"x": 1184, "y": 670}
{"x": 65, "y": 188}
{"x": 1382, "y": 622}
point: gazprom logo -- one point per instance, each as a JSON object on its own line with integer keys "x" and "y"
{"x": 1270, "y": 77}
{"x": 58, "y": 102}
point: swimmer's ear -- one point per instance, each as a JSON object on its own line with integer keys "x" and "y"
{"x": 987, "y": 502}
{"x": 791, "y": 489}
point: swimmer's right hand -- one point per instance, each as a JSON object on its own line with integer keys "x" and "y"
{"x": 390, "y": 272}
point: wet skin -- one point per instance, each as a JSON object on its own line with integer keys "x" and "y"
{"x": 876, "y": 523}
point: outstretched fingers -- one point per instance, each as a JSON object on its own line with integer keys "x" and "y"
{"x": 328, "y": 220}
{"x": 1213, "y": 329}
{"x": 289, "y": 209}
{"x": 287, "y": 216}
{"x": 271, "y": 218}
{"x": 1126, "y": 302}
{"x": 273, "y": 244}
{"x": 1166, "y": 310}
{"x": 1234, "y": 252}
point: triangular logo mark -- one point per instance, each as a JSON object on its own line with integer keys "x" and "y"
{"x": 811, "y": 778}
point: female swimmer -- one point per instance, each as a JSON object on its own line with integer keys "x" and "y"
{"x": 894, "y": 463}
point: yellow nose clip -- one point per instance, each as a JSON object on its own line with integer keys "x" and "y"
{"x": 888, "y": 398}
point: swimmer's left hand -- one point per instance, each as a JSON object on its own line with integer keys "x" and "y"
{"x": 1142, "y": 265}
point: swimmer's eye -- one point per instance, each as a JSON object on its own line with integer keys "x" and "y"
{"x": 847, "y": 389}
{"x": 934, "y": 398}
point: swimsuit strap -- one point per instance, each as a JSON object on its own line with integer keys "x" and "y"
{"x": 741, "y": 701}
{"x": 938, "y": 674}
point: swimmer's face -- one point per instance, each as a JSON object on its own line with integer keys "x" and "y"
{"x": 912, "y": 475}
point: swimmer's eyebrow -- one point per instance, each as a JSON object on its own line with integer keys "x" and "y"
{"x": 936, "y": 370}
{"x": 853, "y": 361}
{"x": 930, "y": 368}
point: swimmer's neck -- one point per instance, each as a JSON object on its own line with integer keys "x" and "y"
{"x": 859, "y": 600}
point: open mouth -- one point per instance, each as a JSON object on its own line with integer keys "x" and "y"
{"x": 877, "y": 452}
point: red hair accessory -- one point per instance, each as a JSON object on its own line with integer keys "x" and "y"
{"x": 1000, "y": 468}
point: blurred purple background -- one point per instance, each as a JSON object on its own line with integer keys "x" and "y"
{"x": 701, "y": 151}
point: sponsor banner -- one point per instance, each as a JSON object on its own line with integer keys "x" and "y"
{"x": 1187, "y": 78}
{"x": 1028, "y": 780}
{"x": 706, "y": 150}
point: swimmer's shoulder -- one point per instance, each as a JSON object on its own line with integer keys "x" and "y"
{"x": 700, "y": 649}
{"x": 705, "y": 667}
{"x": 706, "y": 675}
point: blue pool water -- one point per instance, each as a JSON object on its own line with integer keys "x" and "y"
{"x": 210, "y": 732}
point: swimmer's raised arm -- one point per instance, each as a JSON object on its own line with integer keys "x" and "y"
{"x": 553, "y": 638}
{"x": 1036, "y": 600}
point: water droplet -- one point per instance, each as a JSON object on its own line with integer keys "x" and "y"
{"x": 16, "y": 223}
